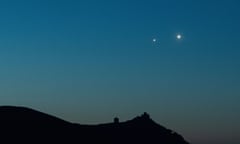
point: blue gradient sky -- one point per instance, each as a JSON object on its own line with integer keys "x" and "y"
{"x": 88, "y": 61}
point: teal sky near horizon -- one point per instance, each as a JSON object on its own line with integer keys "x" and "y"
{"x": 89, "y": 61}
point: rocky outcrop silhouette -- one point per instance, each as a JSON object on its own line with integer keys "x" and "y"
{"x": 24, "y": 125}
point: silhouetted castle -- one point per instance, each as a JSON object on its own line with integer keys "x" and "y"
{"x": 24, "y": 125}
{"x": 146, "y": 115}
{"x": 116, "y": 120}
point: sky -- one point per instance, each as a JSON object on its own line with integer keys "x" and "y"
{"x": 88, "y": 61}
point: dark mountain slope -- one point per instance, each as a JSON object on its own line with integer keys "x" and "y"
{"x": 24, "y": 125}
{"x": 20, "y": 124}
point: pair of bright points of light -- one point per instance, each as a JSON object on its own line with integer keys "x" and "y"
{"x": 178, "y": 36}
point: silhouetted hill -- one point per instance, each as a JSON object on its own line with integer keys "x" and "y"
{"x": 24, "y": 125}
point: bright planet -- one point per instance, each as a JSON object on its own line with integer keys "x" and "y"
{"x": 179, "y": 36}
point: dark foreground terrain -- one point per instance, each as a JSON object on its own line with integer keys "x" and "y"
{"x": 24, "y": 125}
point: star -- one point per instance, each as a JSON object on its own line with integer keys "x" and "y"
{"x": 179, "y": 36}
